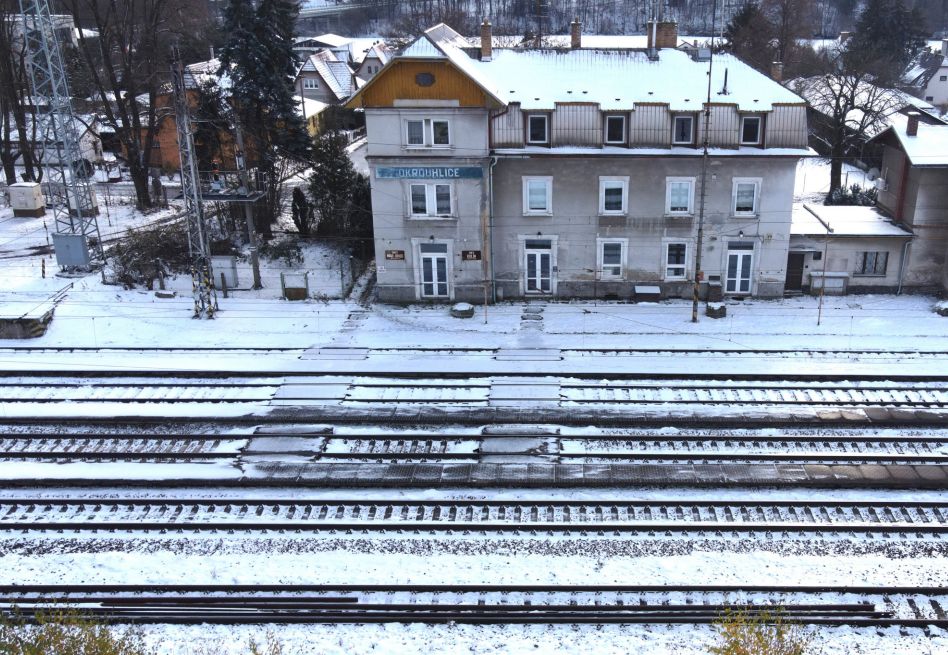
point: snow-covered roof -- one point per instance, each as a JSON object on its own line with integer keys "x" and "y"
{"x": 613, "y": 79}
{"x": 927, "y": 148}
{"x": 377, "y": 51}
{"x": 620, "y": 79}
{"x": 335, "y": 74}
{"x": 310, "y": 107}
{"x": 843, "y": 221}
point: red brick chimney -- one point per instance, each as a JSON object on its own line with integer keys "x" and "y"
{"x": 912, "y": 128}
{"x": 662, "y": 34}
{"x": 486, "y": 41}
{"x": 776, "y": 71}
{"x": 575, "y": 34}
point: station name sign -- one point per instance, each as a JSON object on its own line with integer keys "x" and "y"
{"x": 428, "y": 172}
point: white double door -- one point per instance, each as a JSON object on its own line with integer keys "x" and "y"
{"x": 740, "y": 267}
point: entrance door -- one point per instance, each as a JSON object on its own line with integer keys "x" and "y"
{"x": 739, "y": 266}
{"x": 539, "y": 267}
{"x": 795, "y": 271}
{"x": 434, "y": 270}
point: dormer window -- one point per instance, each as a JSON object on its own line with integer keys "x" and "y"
{"x": 683, "y": 130}
{"x": 615, "y": 129}
{"x": 750, "y": 130}
{"x": 538, "y": 128}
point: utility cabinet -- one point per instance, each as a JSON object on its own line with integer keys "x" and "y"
{"x": 26, "y": 199}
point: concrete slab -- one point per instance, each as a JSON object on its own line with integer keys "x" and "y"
{"x": 285, "y": 445}
{"x": 528, "y": 354}
{"x": 312, "y": 391}
{"x": 331, "y": 353}
{"x": 427, "y": 474}
{"x": 933, "y": 473}
{"x": 874, "y": 472}
{"x": 902, "y": 474}
{"x": 818, "y": 472}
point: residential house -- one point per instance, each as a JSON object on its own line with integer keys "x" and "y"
{"x": 325, "y": 78}
{"x": 913, "y": 189}
{"x": 927, "y": 76}
{"x": 376, "y": 57}
{"x": 511, "y": 173}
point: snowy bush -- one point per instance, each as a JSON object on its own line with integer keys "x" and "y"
{"x": 745, "y": 632}
{"x": 148, "y": 251}
{"x": 287, "y": 250}
{"x": 65, "y": 632}
{"x": 854, "y": 195}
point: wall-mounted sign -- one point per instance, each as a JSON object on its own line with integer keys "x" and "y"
{"x": 397, "y": 255}
{"x": 471, "y": 255}
{"x": 428, "y": 172}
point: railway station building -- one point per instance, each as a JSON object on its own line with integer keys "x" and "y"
{"x": 501, "y": 173}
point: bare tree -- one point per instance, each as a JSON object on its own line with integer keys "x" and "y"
{"x": 127, "y": 63}
{"x": 17, "y": 129}
{"x": 849, "y": 107}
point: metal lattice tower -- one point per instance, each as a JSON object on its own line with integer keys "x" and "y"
{"x": 205, "y": 296}
{"x": 73, "y": 194}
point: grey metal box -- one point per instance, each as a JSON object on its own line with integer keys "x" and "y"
{"x": 72, "y": 250}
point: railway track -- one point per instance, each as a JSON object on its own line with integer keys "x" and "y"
{"x": 483, "y": 604}
{"x": 818, "y": 519}
{"x": 476, "y": 392}
{"x": 452, "y": 444}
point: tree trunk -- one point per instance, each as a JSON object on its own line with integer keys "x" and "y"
{"x": 139, "y": 176}
{"x": 836, "y": 168}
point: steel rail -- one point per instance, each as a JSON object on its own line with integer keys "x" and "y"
{"x": 738, "y": 516}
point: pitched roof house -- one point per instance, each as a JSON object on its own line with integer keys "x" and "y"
{"x": 506, "y": 172}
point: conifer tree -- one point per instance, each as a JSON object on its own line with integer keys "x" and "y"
{"x": 260, "y": 62}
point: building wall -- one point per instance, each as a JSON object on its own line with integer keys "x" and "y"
{"x": 921, "y": 207}
{"x": 937, "y": 90}
{"x": 843, "y": 255}
{"x": 397, "y": 231}
{"x": 925, "y": 216}
{"x": 576, "y": 223}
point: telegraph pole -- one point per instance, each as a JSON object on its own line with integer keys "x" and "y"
{"x": 205, "y": 295}
{"x": 705, "y": 161}
{"x": 70, "y": 187}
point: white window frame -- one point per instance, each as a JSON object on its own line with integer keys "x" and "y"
{"x": 756, "y": 181}
{"x": 546, "y": 128}
{"x": 601, "y": 273}
{"x": 605, "y": 134}
{"x": 310, "y": 83}
{"x": 613, "y": 181}
{"x": 431, "y": 200}
{"x": 691, "y": 137}
{"x": 548, "y": 180}
{"x": 408, "y": 142}
{"x": 760, "y": 130}
{"x": 427, "y": 133}
{"x": 691, "y": 195}
{"x": 685, "y": 267}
